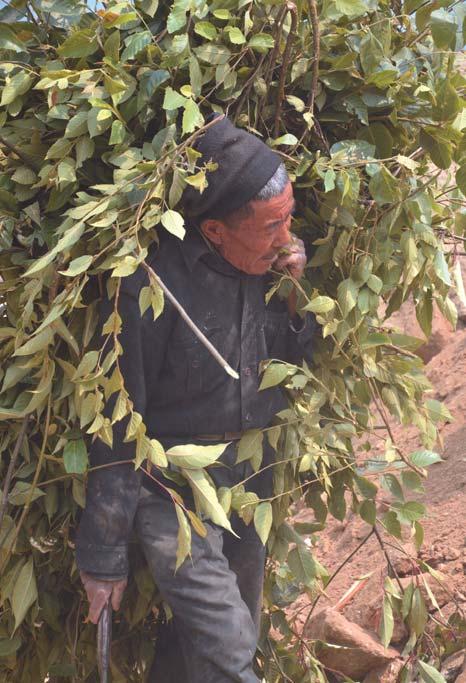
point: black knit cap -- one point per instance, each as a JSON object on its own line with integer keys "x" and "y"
{"x": 245, "y": 165}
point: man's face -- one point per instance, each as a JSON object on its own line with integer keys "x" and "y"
{"x": 253, "y": 243}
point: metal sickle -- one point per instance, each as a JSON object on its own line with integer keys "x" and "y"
{"x": 104, "y": 642}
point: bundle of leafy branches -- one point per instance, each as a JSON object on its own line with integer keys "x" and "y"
{"x": 99, "y": 110}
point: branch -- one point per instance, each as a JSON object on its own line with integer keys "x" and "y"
{"x": 387, "y": 557}
{"x": 191, "y": 324}
{"x": 316, "y": 45}
{"x": 336, "y": 572}
{"x": 291, "y": 7}
{"x": 18, "y": 152}
{"x": 11, "y": 466}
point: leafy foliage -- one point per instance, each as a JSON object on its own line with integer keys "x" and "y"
{"x": 98, "y": 113}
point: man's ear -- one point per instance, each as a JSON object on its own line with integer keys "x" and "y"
{"x": 213, "y": 229}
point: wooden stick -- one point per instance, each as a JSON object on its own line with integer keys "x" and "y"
{"x": 192, "y": 325}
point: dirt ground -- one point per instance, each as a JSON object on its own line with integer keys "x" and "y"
{"x": 444, "y": 544}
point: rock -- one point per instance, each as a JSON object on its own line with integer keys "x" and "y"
{"x": 385, "y": 674}
{"x": 442, "y": 590}
{"x": 453, "y": 665}
{"x": 359, "y": 650}
{"x": 374, "y": 615}
{"x": 462, "y": 677}
{"x": 404, "y": 560}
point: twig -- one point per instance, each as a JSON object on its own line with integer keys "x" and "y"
{"x": 291, "y": 7}
{"x": 387, "y": 557}
{"x": 351, "y": 592}
{"x": 271, "y": 61}
{"x": 336, "y": 572}
{"x": 18, "y": 152}
{"x": 248, "y": 85}
{"x": 191, "y": 324}
{"x": 35, "y": 480}
{"x": 316, "y": 46}
{"x": 11, "y": 466}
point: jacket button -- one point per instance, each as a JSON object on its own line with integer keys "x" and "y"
{"x": 195, "y": 363}
{"x": 247, "y": 371}
{"x": 248, "y": 417}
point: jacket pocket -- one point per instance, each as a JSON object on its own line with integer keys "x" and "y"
{"x": 200, "y": 371}
{"x": 276, "y": 334}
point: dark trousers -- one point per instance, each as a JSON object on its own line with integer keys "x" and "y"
{"x": 216, "y": 595}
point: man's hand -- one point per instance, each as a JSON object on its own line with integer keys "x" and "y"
{"x": 99, "y": 592}
{"x": 294, "y": 259}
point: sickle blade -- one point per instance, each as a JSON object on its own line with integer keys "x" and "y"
{"x": 104, "y": 641}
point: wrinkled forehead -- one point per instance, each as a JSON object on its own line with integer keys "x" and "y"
{"x": 277, "y": 208}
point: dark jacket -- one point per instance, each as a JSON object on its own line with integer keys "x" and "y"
{"x": 176, "y": 385}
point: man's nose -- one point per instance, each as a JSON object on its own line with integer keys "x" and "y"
{"x": 282, "y": 238}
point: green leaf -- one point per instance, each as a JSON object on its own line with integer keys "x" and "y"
{"x": 287, "y": 139}
{"x": 84, "y": 150}
{"x": 156, "y": 454}
{"x": 387, "y": 622}
{"x": 302, "y": 564}
{"x": 351, "y": 8}
{"x": 21, "y": 493}
{"x": 183, "y": 548}
{"x": 410, "y": 511}
{"x": 15, "y": 86}
{"x": 444, "y": 28}
{"x": 192, "y": 117}
{"x": 448, "y": 103}
{"x": 98, "y": 121}
{"x": 60, "y": 149}
{"x": 439, "y": 149}
{"x": 461, "y": 178}
{"x": 250, "y": 445}
{"x": 77, "y": 266}
{"x": 320, "y": 304}
{"x": 417, "y": 616}
{"x": 112, "y": 46}
{"x": 424, "y": 458}
{"x": 441, "y": 268}
{"x": 190, "y": 456}
{"x": 80, "y": 43}
{"x": 37, "y": 343}
{"x": 117, "y": 134}
{"x": 174, "y": 223}
{"x": 261, "y": 42}
{"x": 8, "y": 646}
{"x": 206, "y": 497}
{"x": 24, "y": 592}
{"x": 347, "y": 295}
{"x": 77, "y": 125}
{"x": 9, "y": 40}
{"x": 173, "y": 100}
{"x": 368, "y": 512}
{"x": 438, "y": 412}
{"x": 274, "y": 374}
{"x": 263, "y": 517}
{"x": 391, "y": 484}
{"x": 235, "y": 35}
{"x": 151, "y": 81}
{"x": 24, "y": 176}
{"x": 206, "y": 30}
{"x": 371, "y": 53}
{"x": 384, "y": 187}
{"x": 429, "y": 674}
{"x": 134, "y": 44}
{"x": 75, "y": 457}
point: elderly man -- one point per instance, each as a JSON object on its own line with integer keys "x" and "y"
{"x": 239, "y": 228}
